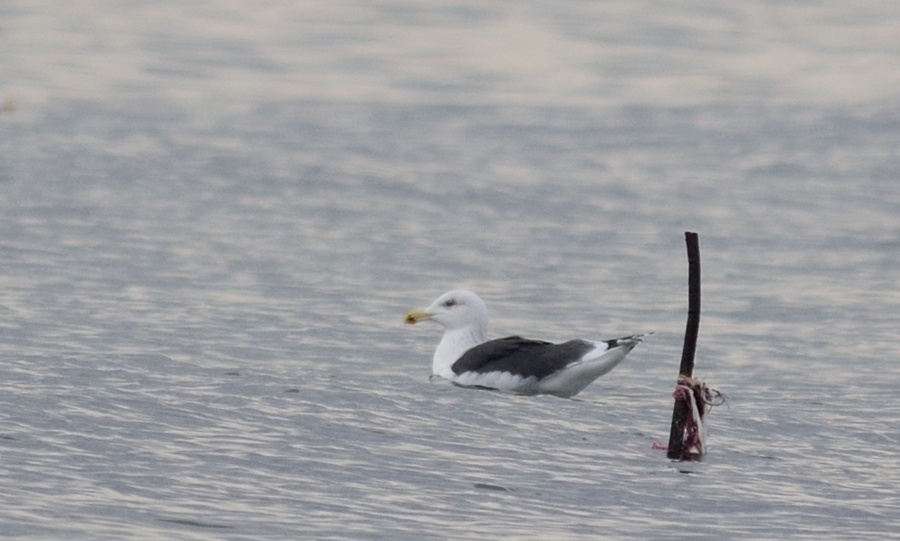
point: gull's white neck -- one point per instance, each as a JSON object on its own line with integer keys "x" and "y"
{"x": 454, "y": 343}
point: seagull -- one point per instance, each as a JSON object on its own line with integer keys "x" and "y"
{"x": 467, "y": 358}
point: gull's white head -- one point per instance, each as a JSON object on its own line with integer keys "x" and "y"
{"x": 455, "y": 310}
{"x": 465, "y": 320}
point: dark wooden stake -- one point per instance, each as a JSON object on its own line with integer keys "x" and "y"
{"x": 679, "y": 414}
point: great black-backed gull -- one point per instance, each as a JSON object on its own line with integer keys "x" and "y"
{"x": 515, "y": 364}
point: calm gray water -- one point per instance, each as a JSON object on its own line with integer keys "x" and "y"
{"x": 213, "y": 217}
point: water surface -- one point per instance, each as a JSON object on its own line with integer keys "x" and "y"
{"x": 212, "y": 219}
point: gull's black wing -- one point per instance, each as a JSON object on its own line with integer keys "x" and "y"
{"x": 521, "y": 356}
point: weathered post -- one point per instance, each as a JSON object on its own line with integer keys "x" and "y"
{"x": 682, "y": 405}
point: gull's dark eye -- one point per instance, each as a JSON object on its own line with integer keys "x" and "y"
{"x": 450, "y": 303}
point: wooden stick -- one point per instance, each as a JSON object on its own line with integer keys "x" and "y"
{"x": 680, "y": 412}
